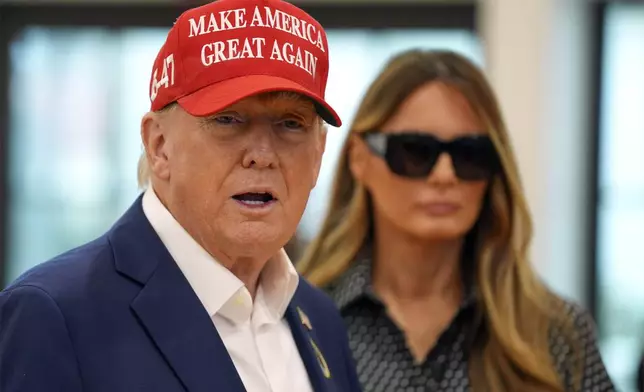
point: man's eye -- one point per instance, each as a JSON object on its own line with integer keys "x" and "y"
{"x": 293, "y": 124}
{"x": 225, "y": 119}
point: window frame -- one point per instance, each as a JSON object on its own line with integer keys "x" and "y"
{"x": 600, "y": 14}
{"x": 596, "y": 72}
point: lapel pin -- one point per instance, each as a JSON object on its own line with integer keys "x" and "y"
{"x": 323, "y": 365}
{"x": 305, "y": 319}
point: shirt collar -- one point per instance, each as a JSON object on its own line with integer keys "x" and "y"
{"x": 228, "y": 297}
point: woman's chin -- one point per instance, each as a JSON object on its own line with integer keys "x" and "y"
{"x": 438, "y": 230}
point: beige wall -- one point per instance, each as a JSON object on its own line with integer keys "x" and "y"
{"x": 537, "y": 56}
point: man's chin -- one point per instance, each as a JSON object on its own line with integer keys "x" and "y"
{"x": 255, "y": 236}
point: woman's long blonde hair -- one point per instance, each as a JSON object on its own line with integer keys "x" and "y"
{"x": 511, "y": 351}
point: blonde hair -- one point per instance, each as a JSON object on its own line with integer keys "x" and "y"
{"x": 143, "y": 167}
{"x": 143, "y": 171}
{"x": 511, "y": 351}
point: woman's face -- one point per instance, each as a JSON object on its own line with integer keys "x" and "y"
{"x": 439, "y": 205}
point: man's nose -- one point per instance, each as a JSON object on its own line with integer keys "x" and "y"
{"x": 260, "y": 148}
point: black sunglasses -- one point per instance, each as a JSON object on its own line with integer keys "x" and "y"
{"x": 414, "y": 154}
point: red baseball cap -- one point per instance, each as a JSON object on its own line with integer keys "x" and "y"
{"x": 227, "y": 50}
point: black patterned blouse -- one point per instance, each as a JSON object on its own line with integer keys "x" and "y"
{"x": 385, "y": 364}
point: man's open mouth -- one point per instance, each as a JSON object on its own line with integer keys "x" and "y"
{"x": 255, "y": 199}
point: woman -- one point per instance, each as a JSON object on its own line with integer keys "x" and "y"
{"x": 425, "y": 248}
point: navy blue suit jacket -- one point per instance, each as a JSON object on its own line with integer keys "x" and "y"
{"x": 117, "y": 315}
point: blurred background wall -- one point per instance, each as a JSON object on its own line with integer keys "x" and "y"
{"x": 73, "y": 86}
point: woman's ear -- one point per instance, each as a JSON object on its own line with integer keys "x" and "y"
{"x": 358, "y": 156}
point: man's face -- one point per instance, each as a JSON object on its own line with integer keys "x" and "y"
{"x": 239, "y": 180}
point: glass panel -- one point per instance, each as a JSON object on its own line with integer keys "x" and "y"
{"x": 621, "y": 209}
{"x": 73, "y": 165}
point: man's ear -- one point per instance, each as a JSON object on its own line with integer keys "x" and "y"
{"x": 154, "y": 138}
{"x": 358, "y": 156}
{"x": 320, "y": 154}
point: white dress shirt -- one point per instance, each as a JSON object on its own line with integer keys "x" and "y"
{"x": 256, "y": 335}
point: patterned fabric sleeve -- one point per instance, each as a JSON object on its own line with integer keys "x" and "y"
{"x": 594, "y": 376}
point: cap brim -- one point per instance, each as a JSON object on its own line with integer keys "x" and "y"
{"x": 215, "y": 97}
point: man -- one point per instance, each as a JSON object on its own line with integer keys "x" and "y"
{"x": 190, "y": 290}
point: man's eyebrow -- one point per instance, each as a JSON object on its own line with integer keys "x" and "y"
{"x": 305, "y": 111}
{"x": 300, "y": 107}
{"x": 209, "y": 119}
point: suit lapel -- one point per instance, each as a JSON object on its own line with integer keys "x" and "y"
{"x": 184, "y": 333}
{"x": 169, "y": 310}
{"x": 307, "y": 344}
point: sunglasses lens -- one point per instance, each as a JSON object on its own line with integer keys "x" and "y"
{"x": 414, "y": 155}
{"x": 474, "y": 158}
{"x": 411, "y": 156}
